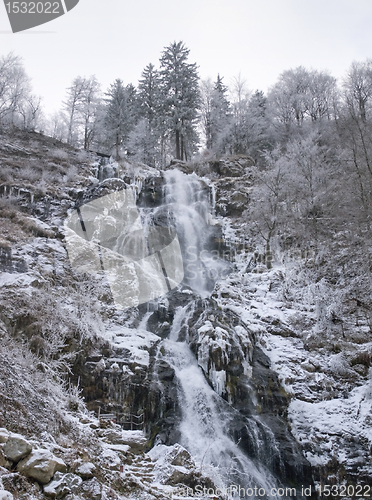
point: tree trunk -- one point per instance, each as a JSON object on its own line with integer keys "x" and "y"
{"x": 117, "y": 146}
{"x": 178, "y": 155}
{"x": 182, "y": 148}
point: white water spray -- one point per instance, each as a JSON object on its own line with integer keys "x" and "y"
{"x": 188, "y": 200}
{"x": 204, "y": 419}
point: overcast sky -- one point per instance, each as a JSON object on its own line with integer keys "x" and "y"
{"x": 258, "y": 39}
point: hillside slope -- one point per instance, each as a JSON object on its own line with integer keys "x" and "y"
{"x": 285, "y": 352}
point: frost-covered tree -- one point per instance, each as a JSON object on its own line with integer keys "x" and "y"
{"x": 267, "y": 207}
{"x": 358, "y": 88}
{"x": 30, "y": 111}
{"x": 180, "y": 98}
{"x": 294, "y": 193}
{"x": 309, "y": 172}
{"x": 15, "y": 88}
{"x": 220, "y": 116}
{"x": 75, "y": 96}
{"x": 215, "y": 114}
{"x": 355, "y": 131}
{"x": 83, "y": 99}
{"x": 206, "y": 93}
{"x": 120, "y": 114}
{"x": 57, "y": 126}
{"x": 258, "y": 133}
{"x": 301, "y": 96}
{"x": 148, "y": 94}
{"x": 240, "y": 96}
{"x": 89, "y": 110}
{"x": 145, "y": 140}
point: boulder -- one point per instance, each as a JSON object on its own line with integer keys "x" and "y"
{"x": 4, "y": 462}
{"x": 86, "y": 470}
{"x": 234, "y": 166}
{"x": 41, "y": 465}
{"x": 179, "y": 475}
{"x": 5, "y": 495}
{"x": 62, "y": 484}
{"x": 92, "y": 489}
{"x": 16, "y": 447}
{"x": 4, "y": 435}
{"x": 181, "y": 456}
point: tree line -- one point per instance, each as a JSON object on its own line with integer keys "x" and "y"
{"x": 153, "y": 121}
{"x": 305, "y": 134}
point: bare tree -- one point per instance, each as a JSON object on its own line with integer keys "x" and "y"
{"x": 57, "y": 126}
{"x": 75, "y": 97}
{"x": 14, "y": 87}
{"x": 31, "y": 111}
{"x": 358, "y": 88}
{"x": 300, "y": 96}
{"x": 355, "y": 132}
{"x": 88, "y": 109}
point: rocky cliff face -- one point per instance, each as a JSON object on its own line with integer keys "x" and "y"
{"x": 245, "y": 365}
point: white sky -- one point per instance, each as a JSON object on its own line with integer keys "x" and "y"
{"x": 259, "y": 39}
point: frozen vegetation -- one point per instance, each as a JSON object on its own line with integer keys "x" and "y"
{"x": 254, "y": 371}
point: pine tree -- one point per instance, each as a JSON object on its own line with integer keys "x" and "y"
{"x": 145, "y": 138}
{"x": 120, "y": 114}
{"x": 148, "y": 93}
{"x": 220, "y": 116}
{"x": 180, "y": 98}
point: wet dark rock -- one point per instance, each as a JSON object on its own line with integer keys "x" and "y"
{"x": 232, "y": 167}
{"x": 165, "y": 371}
{"x": 151, "y": 194}
{"x": 9, "y": 263}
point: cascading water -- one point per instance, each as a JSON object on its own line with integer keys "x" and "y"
{"x": 186, "y": 206}
{"x": 205, "y": 416}
{"x": 187, "y": 199}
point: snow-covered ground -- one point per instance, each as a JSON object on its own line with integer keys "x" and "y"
{"x": 330, "y": 410}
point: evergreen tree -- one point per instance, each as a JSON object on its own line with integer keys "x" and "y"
{"x": 149, "y": 93}
{"x": 220, "y": 116}
{"x": 145, "y": 138}
{"x": 258, "y": 127}
{"x": 120, "y": 114}
{"x": 180, "y": 98}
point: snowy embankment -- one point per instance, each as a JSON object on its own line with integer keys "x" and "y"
{"x": 330, "y": 410}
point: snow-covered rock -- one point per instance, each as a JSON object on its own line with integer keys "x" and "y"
{"x": 62, "y": 484}
{"x": 16, "y": 447}
{"x": 5, "y": 495}
{"x": 4, "y": 462}
{"x": 86, "y": 470}
{"x": 4, "y": 435}
{"x": 41, "y": 465}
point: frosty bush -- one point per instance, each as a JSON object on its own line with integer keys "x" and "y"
{"x": 59, "y": 154}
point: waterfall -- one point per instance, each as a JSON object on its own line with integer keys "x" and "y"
{"x": 187, "y": 199}
{"x": 146, "y": 250}
{"x": 205, "y": 417}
